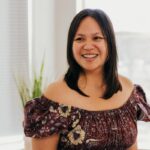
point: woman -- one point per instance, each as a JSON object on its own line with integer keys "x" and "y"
{"x": 91, "y": 107}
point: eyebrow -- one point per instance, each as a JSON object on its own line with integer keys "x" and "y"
{"x": 80, "y": 34}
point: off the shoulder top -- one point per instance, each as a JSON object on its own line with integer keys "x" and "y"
{"x": 80, "y": 129}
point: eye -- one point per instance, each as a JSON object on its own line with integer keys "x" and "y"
{"x": 79, "y": 39}
{"x": 98, "y": 38}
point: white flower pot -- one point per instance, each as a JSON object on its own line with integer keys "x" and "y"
{"x": 27, "y": 143}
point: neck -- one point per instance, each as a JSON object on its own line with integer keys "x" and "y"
{"x": 92, "y": 79}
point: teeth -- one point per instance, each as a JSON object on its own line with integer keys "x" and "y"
{"x": 89, "y": 55}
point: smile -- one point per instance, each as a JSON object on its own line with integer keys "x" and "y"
{"x": 89, "y": 55}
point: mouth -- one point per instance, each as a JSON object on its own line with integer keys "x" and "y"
{"x": 89, "y": 55}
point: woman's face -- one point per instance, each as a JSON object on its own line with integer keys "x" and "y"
{"x": 89, "y": 46}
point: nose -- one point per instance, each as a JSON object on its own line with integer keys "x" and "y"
{"x": 88, "y": 46}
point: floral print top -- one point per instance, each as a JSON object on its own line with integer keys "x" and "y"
{"x": 81, "y": 129}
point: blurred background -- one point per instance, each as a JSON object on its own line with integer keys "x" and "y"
{"x": 36, "y": 30}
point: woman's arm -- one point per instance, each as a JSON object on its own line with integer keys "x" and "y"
{"x": 133, "y": 147}
{"x": 48, "y": 143}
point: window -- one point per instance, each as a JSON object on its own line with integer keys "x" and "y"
{"x": 13, "y": 60}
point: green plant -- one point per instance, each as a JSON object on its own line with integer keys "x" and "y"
{"x": 31, "y": 90}
{"x": 37, "y": 84}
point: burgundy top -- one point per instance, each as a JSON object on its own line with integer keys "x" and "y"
{"x": 81, "y": 129}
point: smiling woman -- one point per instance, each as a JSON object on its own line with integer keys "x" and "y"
{"x": 92, "y": 107}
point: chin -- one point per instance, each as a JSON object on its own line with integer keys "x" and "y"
{"x": 90, "y": 69}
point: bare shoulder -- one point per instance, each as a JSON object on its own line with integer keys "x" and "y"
{"x": 55, "y": 90}
{"x": 123, "y": 96}
{"x": 126, "y": 82}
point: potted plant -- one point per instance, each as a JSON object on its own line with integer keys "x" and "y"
{"x": 31, "y": 90}
{"x": 28, "y": 91}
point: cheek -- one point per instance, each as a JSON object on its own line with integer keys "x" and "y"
{"x": 105, "y": 49}
{"x": 76, "y": 50}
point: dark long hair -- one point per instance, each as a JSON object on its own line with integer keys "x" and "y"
{"x": 110, "y": 66}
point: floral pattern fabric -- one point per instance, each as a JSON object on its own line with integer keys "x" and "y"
{"x": 81, "y": 129}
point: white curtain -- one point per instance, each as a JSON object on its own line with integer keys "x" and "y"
{"x": 13, "y": 61}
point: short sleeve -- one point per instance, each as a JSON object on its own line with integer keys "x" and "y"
{"x": 143, "y": 108}
{"x": 44, "y": 117}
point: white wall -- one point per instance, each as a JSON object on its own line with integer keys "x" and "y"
{"x": 43, "y": 31}
{"x": 64, "y": 13}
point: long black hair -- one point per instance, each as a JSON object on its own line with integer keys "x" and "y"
{"x": 110, "y": 66}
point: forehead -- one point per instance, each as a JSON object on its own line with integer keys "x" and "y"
{"x": 89, "y": 25}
